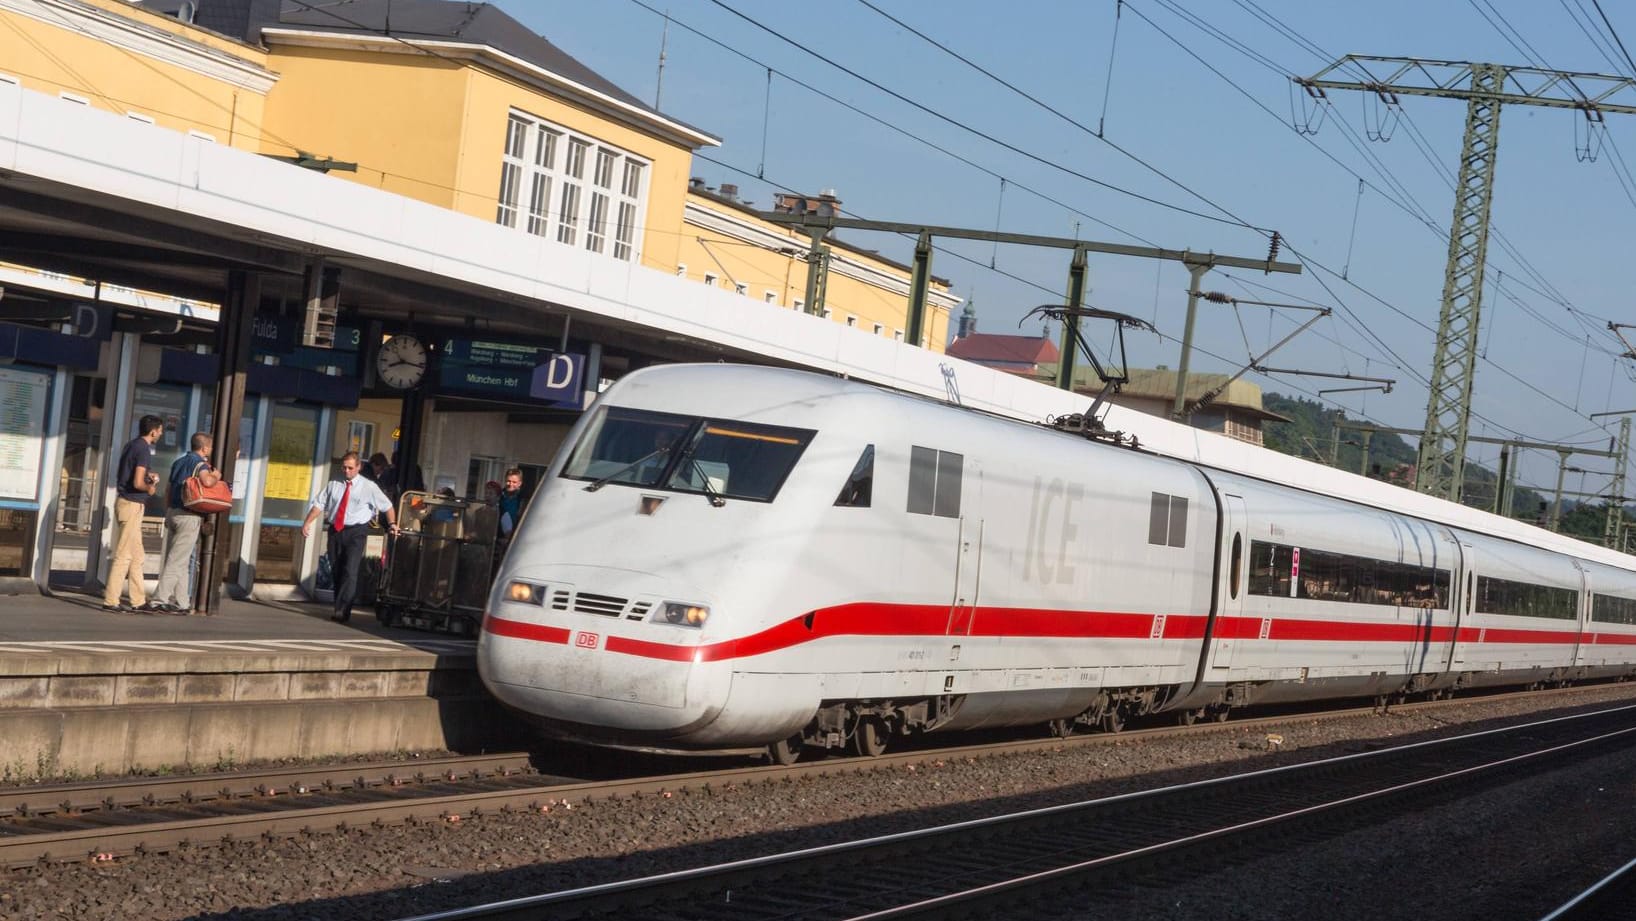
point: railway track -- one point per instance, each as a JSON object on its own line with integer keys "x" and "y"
{"x": 1087, "y": 855}
{"x": 1612, "y": 898}
{"x": 111, "y": 819}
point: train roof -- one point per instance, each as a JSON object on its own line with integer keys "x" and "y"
{"x": 752, "y": 386}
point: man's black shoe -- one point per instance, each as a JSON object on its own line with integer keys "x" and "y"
{"x": 117, "y": 608}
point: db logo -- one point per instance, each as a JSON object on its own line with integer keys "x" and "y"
{"x": 586, "y": 640}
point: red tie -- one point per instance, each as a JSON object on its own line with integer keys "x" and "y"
{"x": 341, "y": 510}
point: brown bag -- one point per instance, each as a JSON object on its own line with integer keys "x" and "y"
{"x": 206, "y": 500}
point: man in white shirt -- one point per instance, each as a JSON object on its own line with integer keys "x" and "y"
{"x": 348, "y": 505}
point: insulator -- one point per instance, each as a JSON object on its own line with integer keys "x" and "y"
{"x": 1272, "y": 251}
{"x": 1216, "y": 297}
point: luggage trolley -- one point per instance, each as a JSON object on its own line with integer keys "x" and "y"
{"x": 439, "y": 566}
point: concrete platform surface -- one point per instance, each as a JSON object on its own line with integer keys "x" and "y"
{"x": 27, "y": 620}
{"x": 87, "y": 691}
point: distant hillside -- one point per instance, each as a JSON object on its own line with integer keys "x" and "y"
{"x": 1311, "y": 434}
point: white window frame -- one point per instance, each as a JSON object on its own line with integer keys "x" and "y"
{"x": 567, "y": 186}
{"x": 201, "y": 135}
{"x": 770, "y": 296}
{"x": 827, "y": 314}
{"x": 800, "y": 305}
{"x": 740, "y": 287}
{"x": 139, "y": 117}
{"x": 75, "y": 98}
{"x": 681, "y": 270}
{"x": 851, "y": 321}
{"x": 710, "y": 279}
{"x": 880, "y": 329}
{"x": 897, "y": 335}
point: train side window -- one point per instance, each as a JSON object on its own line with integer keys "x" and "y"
{"x": 1167, "y": 521}
{"x": 859, "y": 483}
{"x": 1270, "y": 566}
{"x": 950, "y": 468}
{"x": 1234, "y": 571}
{"x": 922, "y": 479}
{"x": 934, "y": 482}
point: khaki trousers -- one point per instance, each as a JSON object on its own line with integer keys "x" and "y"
{"x": 128, "y": 554}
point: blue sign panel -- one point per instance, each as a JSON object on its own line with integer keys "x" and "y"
{"x": 509, "y": 371}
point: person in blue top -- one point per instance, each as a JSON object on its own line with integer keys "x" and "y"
{"x": 135, "y": 481}
{"x": 511, "y": 505}
{"x": 182, "y": 527}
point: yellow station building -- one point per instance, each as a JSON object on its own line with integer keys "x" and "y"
{"x": 460, "y": 106}
{"x": 453, "y": 104}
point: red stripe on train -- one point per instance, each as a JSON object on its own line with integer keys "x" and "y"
{"x": 929, "y": 621}
{"x": 523, "y": 630}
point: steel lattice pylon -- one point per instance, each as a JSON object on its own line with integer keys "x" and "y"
{"x": 1486, "y": 88}
{"x": 1616, "y": 502}
{"x": 1441, "y": 466}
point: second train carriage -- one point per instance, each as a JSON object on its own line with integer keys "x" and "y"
{"x": 728, "y": 556}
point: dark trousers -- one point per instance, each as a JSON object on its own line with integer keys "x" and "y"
{"x": 346, "y": 557}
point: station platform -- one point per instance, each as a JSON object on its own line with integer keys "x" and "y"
{"x": 87, "y": 692}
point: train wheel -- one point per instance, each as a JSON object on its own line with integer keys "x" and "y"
{"x": 1060, "y": 729}
{"x": 785, "y": 752}
{"x": 869, "y": 739}
{"x": 1188, "y": 717}
{"x": 1219, "y": 715}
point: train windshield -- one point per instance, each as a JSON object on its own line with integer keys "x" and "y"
{"x": 714, "y": 457}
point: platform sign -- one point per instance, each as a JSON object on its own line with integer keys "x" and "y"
{"x": 22, "y": 428}
{"x": 511, "y": 371}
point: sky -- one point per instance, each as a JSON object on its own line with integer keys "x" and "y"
{"x": 1174, "y": 123}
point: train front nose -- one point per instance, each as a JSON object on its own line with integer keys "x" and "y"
{"x": 600, "y": 647}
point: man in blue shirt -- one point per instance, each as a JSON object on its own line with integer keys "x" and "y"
{"x": 348, "y": 505}
{"x": 511, "y": 505}
{"x": 182, "y": 527}
{"x": 135, "y": 481}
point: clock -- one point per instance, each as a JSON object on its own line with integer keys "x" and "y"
{"x": 401, "y": 362}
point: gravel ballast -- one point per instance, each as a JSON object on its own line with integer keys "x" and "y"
{"x": 1509, "y": 852}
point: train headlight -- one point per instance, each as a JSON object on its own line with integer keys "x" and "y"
{"x": 682, "y": 614}
{"x": 526, "y": 593}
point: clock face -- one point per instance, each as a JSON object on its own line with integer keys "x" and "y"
{"x": 401, "y": 362}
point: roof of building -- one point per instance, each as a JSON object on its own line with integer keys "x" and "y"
{"x": 432, "y": 21}
{"x": 478, "y": 23}
{"x": 986, "y": 348}
{"x": 1160, "y": 383}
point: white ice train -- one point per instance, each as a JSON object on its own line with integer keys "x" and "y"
{"x": 728, "y": 557}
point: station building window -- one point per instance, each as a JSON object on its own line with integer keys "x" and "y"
{"x": 569, "y": 187}
{"x": 292, "y": 446}
{"x": 25, "y": 395}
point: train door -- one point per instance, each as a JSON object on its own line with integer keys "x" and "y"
{"x": 1462, "y": 602}
{"x": 968, "y": 561}
{"x": 1234, "y": 576}
{"x": 1582, "y": 614}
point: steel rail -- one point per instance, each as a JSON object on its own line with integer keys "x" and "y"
{"x": 980, "y": 867}
{"x": 127, "y": 792}
{"x": 1612, "y": 898}
{"x": 120, "y": 832}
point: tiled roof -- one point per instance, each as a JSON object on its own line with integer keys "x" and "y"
{"x": 984, "y": 348}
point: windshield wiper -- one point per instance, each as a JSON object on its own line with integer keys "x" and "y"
{"x": 593, "y": 487}
{"x": 716, "y": 498}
